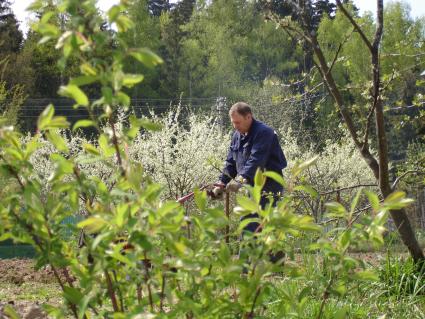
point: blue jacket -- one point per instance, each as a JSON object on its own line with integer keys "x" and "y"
{"x": 259, "y": 148}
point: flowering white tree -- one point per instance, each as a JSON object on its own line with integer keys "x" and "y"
{"x": 180, "y": 154}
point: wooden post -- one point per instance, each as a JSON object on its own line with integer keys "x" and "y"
{"x": 227, "y": 211}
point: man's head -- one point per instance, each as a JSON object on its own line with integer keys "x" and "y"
{"x": 241, "y": 117}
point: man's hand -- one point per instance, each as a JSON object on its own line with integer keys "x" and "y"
{"x": 217, "y": 191}
{"x": 233, "y": 186}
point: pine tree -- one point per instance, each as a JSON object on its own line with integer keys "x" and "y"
{"x": 10, "y": 36}
{"x": 157, "y": 7}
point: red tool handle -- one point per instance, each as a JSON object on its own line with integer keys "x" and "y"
{"x": 189, "y": 196}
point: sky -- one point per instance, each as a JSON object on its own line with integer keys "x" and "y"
{"x": 19, "y": 6}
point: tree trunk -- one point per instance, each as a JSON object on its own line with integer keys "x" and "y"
{"x": 379, "y": 167}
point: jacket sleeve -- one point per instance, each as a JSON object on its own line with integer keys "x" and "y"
{"x": 229, "y": 170}
{"x": 260, "y": 152}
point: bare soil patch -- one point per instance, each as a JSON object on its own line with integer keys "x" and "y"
{"x": 19, "y": 271}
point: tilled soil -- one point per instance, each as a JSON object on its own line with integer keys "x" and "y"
{"x": 16, "y": 275}
{"x": 19, "y": 271}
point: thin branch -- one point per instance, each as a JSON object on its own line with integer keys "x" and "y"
{"x": 71, "y": 305}
{"x": 250, "y": 315}
{"x": 365, "y": 144}
{"x": 116, "y": 146}
{"x": 403, "y": 55}
{"x": 399, "y": 178}
{"x": 325, "y": 297}
{"x": 111, "y": 291}
{"x": 14, "y": 172}
{"x": 356, "y": 214}
{"x": 339, "y": 49}
{"x": 161, "y": 303}
{"x": 347, "y": 188}
{"x": 147, "y": 279}
{"x": 355, "y": 25}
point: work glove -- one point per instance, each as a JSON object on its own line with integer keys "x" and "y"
{"x": 217, "y": 191}
{"x": 235, "y": 184}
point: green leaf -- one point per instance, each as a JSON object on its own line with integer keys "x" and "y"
{"x": 48, "y": 30}
{"x": 247, "y": 221}
{"x": 397, "y": 200}
{"x": 56, "y": 139}
{"x": 72, "y": 294}
{"x": 345, "y": 239}
{"x": 120, "y": 214}
{"x": 123, "y": 99}
{"x": 45, "y": 117}
{"x": 58, "y": 122}
{"x": 275, "y": 176}
{"x": 92, "y": 224}
{"x": 341, "y": 313}
{"x": 123, "y": 23}
{"x": 74, "y": 92}
{"x": 83, "y": 80}
{"x": 168, "y": 207}
{"x": 373, "y": 200}
{"x": 88, "y": 69}
{"x": 46, "y": 16}
{"x": 304, "y": 165}
{"x": 366, "y": 275}
{"x": 147, "y": 57}
{"x": 107, "y": 94}
{"x": 10, "y": 312}
{"x": 247, "y": 203}
{"x": 145, "y": 123}
{"x": 201, "y": 199}
{"x": 308, "y": 189}
{"x": 83, "y": 123}
{"x": 5, "y": 236}
{"x": 114, "y": 12}
{"x": 32, "y": 146}
{"x": 355, "y": 201}
{"x": 335, "y": 209}
{"x": 91, "y": 149}
{"x": 35, "y": 6}
{"x": 259, "y": 179}
{"x": 104, "y": 146}
{"x": 129, "y": 80}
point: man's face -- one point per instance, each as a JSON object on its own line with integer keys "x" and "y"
{"x": 241, "y": 123}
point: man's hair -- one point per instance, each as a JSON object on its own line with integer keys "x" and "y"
{"x": 241, "y": 108}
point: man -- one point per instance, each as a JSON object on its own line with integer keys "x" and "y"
{"x": 254, "y": 145}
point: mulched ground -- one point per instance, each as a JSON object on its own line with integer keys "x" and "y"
{"x": 15, "y": 277}
{"x": 19, "y": 271}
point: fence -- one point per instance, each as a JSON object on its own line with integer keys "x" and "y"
{"x": 9, "y": 249}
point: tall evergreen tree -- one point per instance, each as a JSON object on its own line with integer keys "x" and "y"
{"x": 10, "y": 36}
{"x": 157, "y": 7}
{"x": 172, "y": 36}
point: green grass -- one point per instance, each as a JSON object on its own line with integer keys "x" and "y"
{"x": 32, "y": 292}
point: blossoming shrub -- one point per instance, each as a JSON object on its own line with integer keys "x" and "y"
{"x": 338, "y": 166}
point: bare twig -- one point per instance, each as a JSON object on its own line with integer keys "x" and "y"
{"x": 147, "y": 279}
{"x": 111, "y": 291}
{"x": 161, "y": 302}
{"x": 116, "y": 146}
{"x": 58, "y": 278}
{"x": 339, "y": 49}
{"x": 250, "y": 314}
{"x": 325, "y": 297}
{"x": 399, "y": 178}
{"x": 347, "y": 188}
{"x": 355, "y": 25}
{"x": 14, "y": 172}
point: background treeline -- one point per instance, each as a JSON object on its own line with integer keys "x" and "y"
{"x": 227, "y": 48}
